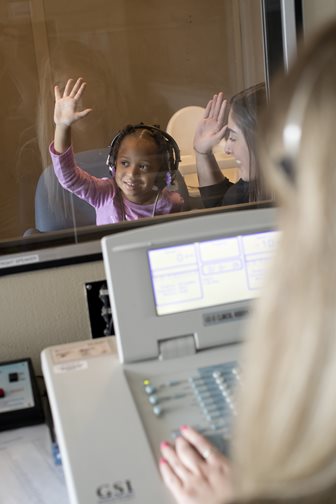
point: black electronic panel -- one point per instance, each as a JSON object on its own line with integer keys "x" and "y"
{"x": 20, "y": 401}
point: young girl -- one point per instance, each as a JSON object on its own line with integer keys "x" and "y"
{"x": 142, "y": 160}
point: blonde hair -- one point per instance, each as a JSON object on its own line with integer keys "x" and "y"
{"x": 285, "y": 439}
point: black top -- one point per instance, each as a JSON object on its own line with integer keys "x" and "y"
{"x": 225, "y": 193}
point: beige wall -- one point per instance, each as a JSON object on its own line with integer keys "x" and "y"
{"x": 44, "y": 308}
{"x": 315, "y": 14}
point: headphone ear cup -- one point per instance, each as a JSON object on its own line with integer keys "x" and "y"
{"x": 161, "y": 180}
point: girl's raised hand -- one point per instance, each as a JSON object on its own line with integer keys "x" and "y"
{"x": 65, "y": 112}
{"x": 194, "y": 471}
{"x": 211, "y": 128}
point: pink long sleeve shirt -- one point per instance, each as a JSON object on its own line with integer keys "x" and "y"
{"x": 104, "y": 195}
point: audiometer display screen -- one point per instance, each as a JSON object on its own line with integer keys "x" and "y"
{"x": 209, "y": 273}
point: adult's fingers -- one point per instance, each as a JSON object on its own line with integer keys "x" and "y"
{"x": 176, "y": 465}
{"x": 207, "y": 110}
{"x": 169, "y": 477}
{"x": 221, "y": 114}
{"x": 217, "y": 105}
{"x": 190, "y": 457}
{"x": 172, "y": 482}
{"x": 207, "y": 451}
{"x": 213, "y": 106}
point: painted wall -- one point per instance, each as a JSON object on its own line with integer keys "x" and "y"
{"x": 44, "y": 308}
{"x": 315, "y": 14}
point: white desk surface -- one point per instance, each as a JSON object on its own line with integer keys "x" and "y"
{"x": 28, "y": 472}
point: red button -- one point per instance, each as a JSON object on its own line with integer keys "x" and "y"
{"x": 2, "y": 393}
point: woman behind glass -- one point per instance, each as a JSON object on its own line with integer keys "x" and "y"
{"x": 240, "y": 134}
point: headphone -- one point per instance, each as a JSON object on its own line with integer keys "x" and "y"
{"x": 292, "y": 130}
{"x": 165, "y": 177}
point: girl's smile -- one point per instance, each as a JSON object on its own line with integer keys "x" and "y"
{"x": 137, "y": 167}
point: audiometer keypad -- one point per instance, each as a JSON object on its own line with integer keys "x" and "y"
{"x": 204, "y": 398}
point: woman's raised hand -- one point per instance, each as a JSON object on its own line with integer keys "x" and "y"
{"x": 194, "y": 471}
{"x": 66, "y": 105}
{"x": 211, "y": 128}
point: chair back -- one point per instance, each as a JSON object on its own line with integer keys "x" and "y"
{"x": 55, "y": 207}
{"x": 181, "y": 126}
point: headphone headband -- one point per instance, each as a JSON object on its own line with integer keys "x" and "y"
{"x": 298, "y": 105}
{"x": 171, "y": 145}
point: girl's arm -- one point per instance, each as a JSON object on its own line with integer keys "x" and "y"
{"x": 93, "y": 190}
{"x": 209, "y": 132}
{"x": 71, "y": 176}
{"x": 66, "y": 113}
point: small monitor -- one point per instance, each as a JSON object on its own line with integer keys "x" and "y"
{"x": 20, "y": 401}
{"x": 192, "y": 278}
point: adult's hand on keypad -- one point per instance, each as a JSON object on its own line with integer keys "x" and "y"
{"x": 195, "y": 471}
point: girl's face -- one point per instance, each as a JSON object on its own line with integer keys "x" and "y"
{"x": 137, "y": 167}
{"x": 236, "y": 146}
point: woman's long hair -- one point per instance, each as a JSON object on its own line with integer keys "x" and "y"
{"x": 285, "y": 440}
{"x": 246, "y": 108}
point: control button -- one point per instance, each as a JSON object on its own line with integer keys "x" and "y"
{"x": 153, "y": 399}
{"x": 149, "y": 389}
{"x": 13, "y": 377}
{"x": 2, "y": 393}
{"x": 157, "y": 410}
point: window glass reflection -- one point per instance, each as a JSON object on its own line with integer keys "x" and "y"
{"x": 143, "y": 61}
